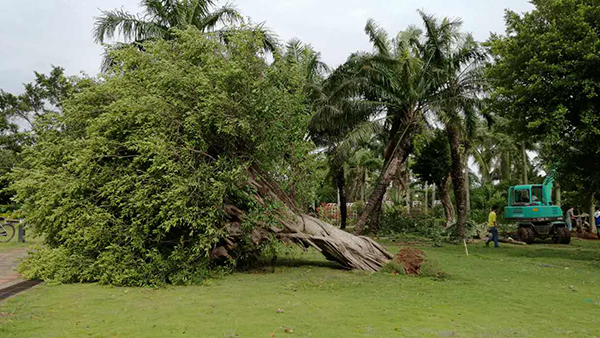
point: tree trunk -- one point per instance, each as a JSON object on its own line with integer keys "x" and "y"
{"x": 505, "y": 166}
{"x": 374, "y": 226}
{"x": 341, "y": 182}
{"x": 351, "y": 252}
{"x": 426, "y": 197}
{"x": 467, "y": 181}
{"x": 558, "y": 196}
{"x": 377, "y": 194}
{"x": 408, "y": 196}
{"x": 446, "y": 201}
{"x": 433, "y": 197}
{"x": 364, "y": 186}
{"x": 592, "y": 221}
{"x": 458, "y": 181}
{"x": 525, "y": 166}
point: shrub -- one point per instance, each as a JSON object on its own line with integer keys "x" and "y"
{"x": 395, "y": 221}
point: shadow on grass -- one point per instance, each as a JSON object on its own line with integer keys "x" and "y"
{"x": 285, "y": 262}
{"x": 299, "y": 262}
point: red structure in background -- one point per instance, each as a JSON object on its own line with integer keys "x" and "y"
{"x": 330, "y": 212}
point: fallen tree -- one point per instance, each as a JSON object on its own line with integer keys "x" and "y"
{"x": 176, "y": 165}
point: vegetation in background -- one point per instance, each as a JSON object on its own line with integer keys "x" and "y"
{"x": 545, "y": 83}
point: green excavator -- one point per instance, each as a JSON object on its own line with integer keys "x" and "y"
{"x": 532, "y": 208}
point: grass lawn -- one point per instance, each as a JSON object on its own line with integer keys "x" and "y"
{"x": 541, "y": 290}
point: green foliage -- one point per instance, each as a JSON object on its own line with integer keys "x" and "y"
{"x": 396, "y": 222}
{"x": 128, "y": 184}
{"x": 545, "y": 83}
{"x": 432, "y": 162}
{"x": 42, "y": 96}
{"x": 483, "y": 198}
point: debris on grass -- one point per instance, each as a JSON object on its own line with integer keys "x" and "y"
{"x": 413, "y": 262}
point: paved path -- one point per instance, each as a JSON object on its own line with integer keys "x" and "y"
{"x": 10, "y": 280}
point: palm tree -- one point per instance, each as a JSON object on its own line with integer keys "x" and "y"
{"x": 394, "y": 78}
{"x": 399, "y": 79}
{"x": 161, "y": 16}
{"x": 458, "y": 69}
{"x": 362, "y": 163}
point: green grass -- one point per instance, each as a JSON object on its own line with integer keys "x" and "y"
{"x": 541, "y": 290}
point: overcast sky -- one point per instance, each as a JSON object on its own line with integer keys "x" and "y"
{"x": 35, "y": 34}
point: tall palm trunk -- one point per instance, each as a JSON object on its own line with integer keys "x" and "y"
{"x": 458, "y": 180}
{"x": 433, "y": 196}
{"x": 377, "y": 195}
{"x": 394, "y": 159}
{"x": 408, "y": 195}
{"x": 505, "y": 166}
{"x": 426, "y": 197}
{"x": 525, "y": 167}
{"x": 374, "y": 226}
{"x": 446, "y": 201}
{"x": 592, "y": 220}
{"x": 341, "y": 182}
{"x": 364, "y": 185}
{"x": 467, "y": 181}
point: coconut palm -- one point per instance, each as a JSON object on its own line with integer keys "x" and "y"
{"x": 458, "y": 61}
{"x": 401, "y": 77}
{"x": 159, "y": 17}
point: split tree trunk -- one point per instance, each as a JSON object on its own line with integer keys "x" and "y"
{"x": 458, "y": 180}
{"x": 350, "y": 251}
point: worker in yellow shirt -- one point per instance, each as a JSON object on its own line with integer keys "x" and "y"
{"x": 493, "y": 229}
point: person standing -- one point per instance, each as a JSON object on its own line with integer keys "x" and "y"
{"x": 493, "y": 228}
{"x": 569, "y": 218}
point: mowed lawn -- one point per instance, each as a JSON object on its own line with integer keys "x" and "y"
{"x": 542, "y": 290}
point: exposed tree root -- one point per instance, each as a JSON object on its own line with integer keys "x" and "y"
{"x": 350, "y": 251}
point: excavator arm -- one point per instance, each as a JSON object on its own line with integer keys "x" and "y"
{"x": 547, "y": 188}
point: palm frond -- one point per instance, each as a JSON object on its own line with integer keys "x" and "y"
{"x": 359, "y": 137}
{"x": 224, "y": 15}
{"x": 378, "y": 37}
{"x": 130, "y": 27}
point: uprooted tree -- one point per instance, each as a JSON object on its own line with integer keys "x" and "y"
{"x": 172, "y": 165}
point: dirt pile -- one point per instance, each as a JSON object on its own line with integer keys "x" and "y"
{"x": 411, "y": 260}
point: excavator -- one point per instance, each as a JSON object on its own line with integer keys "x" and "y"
{"x": 531, "y": 207}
